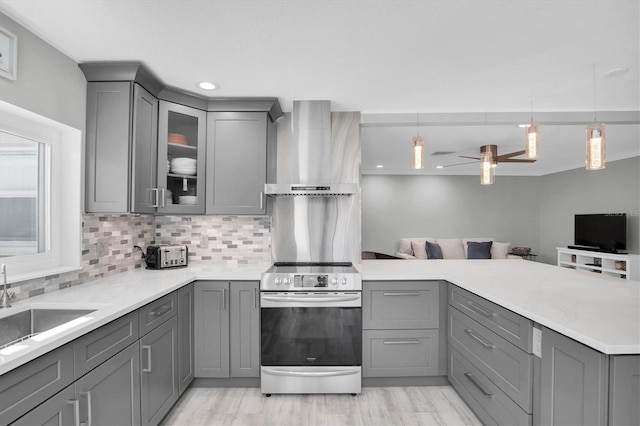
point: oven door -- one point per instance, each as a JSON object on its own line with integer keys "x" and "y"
{"x": 311, "y": 329}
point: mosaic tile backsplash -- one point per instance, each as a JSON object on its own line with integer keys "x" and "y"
{"x": 108, "y": 245}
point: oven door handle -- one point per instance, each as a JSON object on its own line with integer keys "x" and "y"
{"x": 310, "y": 373}
{"x": 323, "y": 299}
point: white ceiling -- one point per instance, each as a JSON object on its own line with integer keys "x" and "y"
{"x": 385, "y": 58}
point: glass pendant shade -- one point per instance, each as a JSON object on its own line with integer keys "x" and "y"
{"x": 486, "y": 168}
{"x": 595, "y": 147}
{"x": 418, "y": 152}
{"x": 531, "y": 141}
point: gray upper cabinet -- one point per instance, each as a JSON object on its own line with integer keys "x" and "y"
{"x": 181, "y": 159}
{"x": 573, "y": 382}
{"x": 120, "y": 147}
{"x": 237, "y": 150}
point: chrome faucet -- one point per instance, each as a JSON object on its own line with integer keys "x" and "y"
{"x": 5, "y": 299}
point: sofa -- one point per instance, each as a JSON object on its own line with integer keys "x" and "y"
{"x": 454, "y": 248}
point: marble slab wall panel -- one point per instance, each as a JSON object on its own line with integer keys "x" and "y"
{"x": 218, "y": 239}
{"x": 107, "y": 248}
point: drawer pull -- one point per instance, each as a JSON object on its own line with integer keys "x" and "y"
{"x": 480, "y": 310}
{"x": 401, "y": 342}
{"x": 76, "y": 411}
{"x": 163, "y": 310}
{"x": 87, "y": 394}
{"x": 415, "y": 293}
{"x": 477, "y": 384}
{"x": 479, "y": 339}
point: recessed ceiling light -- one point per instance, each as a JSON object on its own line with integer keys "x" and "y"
{"x": 439, "y": 167}
{"x": 207, "y": 85}
{"x": 616, "y": 72}
{"x": 379, "y": 166}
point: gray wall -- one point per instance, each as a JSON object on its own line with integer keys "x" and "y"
{"x": 49, "y": 83}
{"x": 535, "y": 212}
{"x": 448, "y": 206}
{"x": 612, "y": 190}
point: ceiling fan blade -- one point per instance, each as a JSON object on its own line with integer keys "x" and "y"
{"x": 503, "y": 157}
{"x": 516, "y": 160}
{"x": 460, "y": 164}
{"x": 473, "y": 158}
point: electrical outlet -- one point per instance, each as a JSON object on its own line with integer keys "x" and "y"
{"x": 537, "y": 342}
{"x": 102, "y": 247}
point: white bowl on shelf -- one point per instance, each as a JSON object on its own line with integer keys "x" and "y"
{"x": 189, "y": 171}
{"x": 190, "y": 200}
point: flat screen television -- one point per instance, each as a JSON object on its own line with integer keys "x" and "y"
{"x": 602, "y": 232}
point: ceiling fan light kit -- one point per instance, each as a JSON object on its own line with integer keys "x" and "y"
{"x": 596, "y": 144}
{"x": 487, "y": 165}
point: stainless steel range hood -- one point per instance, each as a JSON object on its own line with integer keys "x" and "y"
{"x": 311, "y": 157}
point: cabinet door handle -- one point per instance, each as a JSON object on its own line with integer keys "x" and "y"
{"x": 162, "y": 197}
{"x": 477, "y": 384}
{"x": 255, "y": 297}
{"x": 261, "y": 200}
{"x": 480, "y": 310}
{"x": 154, "y": 197}
{"x": 479, "y": 339}
{"x": 224, "y": 298}
{"x": 148, "y": 349}
{"x": 76, "y": 411}
{"x": 415, "y": 293}
{"x": 87, "y": 394}
{"x": 401, "y": 342}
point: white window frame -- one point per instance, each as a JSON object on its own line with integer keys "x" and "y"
{"x": 62, "y": 195}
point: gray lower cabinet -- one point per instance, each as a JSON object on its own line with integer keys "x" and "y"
{"x": 33, "y": 383}
{"x": 624, "y": 390}
{"x": 244, "y": 329}
{"x": 227, "y": 329}
{"x": 186, "y": 366}
{"x": 121, "y": 147}
{"x": 237, "y": 145}
{"x": 60, "y": 410}
{"x": 159, "y": 371}
{"x": 401, "y": 336}
{"x": 110, "y": 394}
{"x": 574, "y": 382}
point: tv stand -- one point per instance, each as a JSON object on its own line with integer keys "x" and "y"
{"x": 598, "y": 249}
{"x": 626, "y": 266}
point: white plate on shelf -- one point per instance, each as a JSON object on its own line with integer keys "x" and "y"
{"x": 183, "y": 171}
{"x": 191, "y": 200}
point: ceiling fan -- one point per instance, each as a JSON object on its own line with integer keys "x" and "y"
{"x": 504, "y": 158}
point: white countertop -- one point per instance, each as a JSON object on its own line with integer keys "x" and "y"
{"x": 599, "y": 312}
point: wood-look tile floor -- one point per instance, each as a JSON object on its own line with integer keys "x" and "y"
{"x": 431, "y": 405}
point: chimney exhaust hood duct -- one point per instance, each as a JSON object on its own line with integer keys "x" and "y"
{"x": 310, "y": 166}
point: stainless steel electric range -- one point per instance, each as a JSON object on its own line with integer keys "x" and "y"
{"x": 311, "y": 328}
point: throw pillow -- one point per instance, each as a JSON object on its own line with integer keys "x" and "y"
{"x": 477, "y": 250}
{"x": 433, "y": 250}
{"x": 500, "y": 250}
{"x": 418, "y": 250}
{"x": 452, "y": 248}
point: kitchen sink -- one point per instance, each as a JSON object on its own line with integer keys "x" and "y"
{"x": 23, "y": 325}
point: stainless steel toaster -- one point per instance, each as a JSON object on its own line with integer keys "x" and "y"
{"x": 166, "y": 256}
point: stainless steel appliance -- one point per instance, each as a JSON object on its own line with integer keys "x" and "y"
{"x": 311, "y": 328}
{"x": 166, "y": 256}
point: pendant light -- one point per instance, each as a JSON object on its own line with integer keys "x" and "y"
{"x": 418, "y": 148}
{"x": 531, "y": 138}
{"x": 596, "y": 141}
{"x": 486, "y": 166}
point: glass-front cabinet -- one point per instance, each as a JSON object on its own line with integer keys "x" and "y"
{"x": 181, "y": 159}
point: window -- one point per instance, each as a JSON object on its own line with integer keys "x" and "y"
{"x": 40, "y": 198}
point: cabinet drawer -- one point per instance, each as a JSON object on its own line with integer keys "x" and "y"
{"x": 94, "y": 348}
{"x": 29, "y": 385}
{"x": 513, "y": 327}
{"x": 488, "y": 402}
{"x": 506, "y": 365}
{"x": 400, "y": 305}
{"x": 399, "y": 353}
{"x": 155, "y": 313}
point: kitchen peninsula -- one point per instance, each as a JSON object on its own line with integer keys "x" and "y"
{"x": 603, "y": 314}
